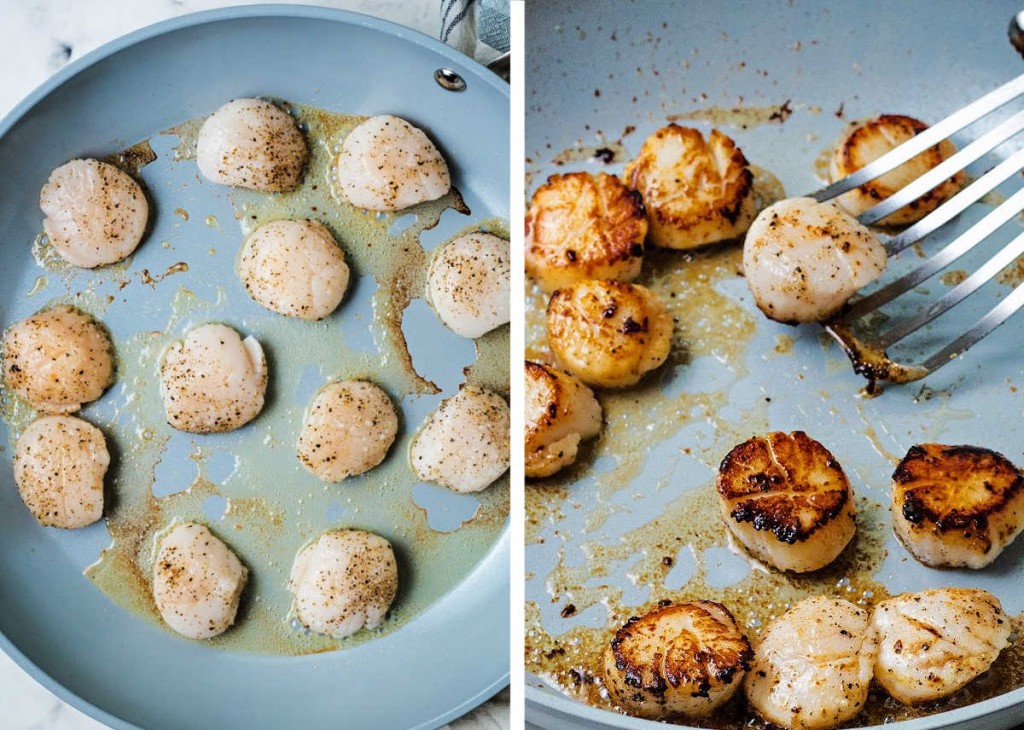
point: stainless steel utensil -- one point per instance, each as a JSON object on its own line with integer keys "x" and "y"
{"x": 866, "y": 337}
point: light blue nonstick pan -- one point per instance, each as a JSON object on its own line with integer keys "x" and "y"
{"x": 444, "y": 648}
{"x": 636, "y": 522}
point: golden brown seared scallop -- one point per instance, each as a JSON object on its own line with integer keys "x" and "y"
{"x": 59, "y": 465}
{"x": 803, "y": 260}
{"x": 560, "y": 413}
{"x": 58, "y": 359}
{"x": 864, "y": 143}
{"x": 608, "y": 333}
{"x": 934, "y": 642}
{"x": 679, "y": 660}
{"x": 813, "y": 666}
{"x": 581, "y": 226}
{"x": 956, "y": 506}
{"x": 696, "y": 191}
{"x": 787, "y": 500}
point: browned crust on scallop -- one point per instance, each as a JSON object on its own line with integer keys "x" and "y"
{"x": 849, "y": 162}
{"x": 955, "y": 488}
{"x": 763, "y": 480}
{"x": 607, "y": 222}
{"x": 550, "y": 414}
{"x": 736, "y": 193}
{"x": 687, "y": 661}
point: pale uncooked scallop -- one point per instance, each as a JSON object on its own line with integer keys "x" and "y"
{"x": 294, "y": 268}
{"x": 344, "y": 582}
{"x": 95, "y": 213}
{"x": 464, "y": 444}
{"x": 58, "y": 359}
{"x": 349, "y": 429}
{"x": 59, "y": 465}
{"x": 213, "y": 380}
{"x": 803, "y": 260}
{"x": 250, "y": 143}
{"x": 388, "y": 164}
{"x": 814, "y": 665}
{"x": 468, "y": 284}
{"x": 934, "y": 642}
{"x": 197, "y": 582}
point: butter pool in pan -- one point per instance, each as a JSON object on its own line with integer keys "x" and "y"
{"x": 635, "y": 521}
{"x": 98, "y": 643}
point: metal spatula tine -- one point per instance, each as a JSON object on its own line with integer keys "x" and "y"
{"x": 928, "y": 138}
{"x": 958, "y": 203}
{"x": 946, "y": 169}
{"x": 957, "y": 294}
{"x": 855, "y": 328}
{"x": 966, "y": 241}
{"x": 996, "y": 316}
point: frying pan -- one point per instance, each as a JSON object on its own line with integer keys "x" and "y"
{"x": 604, "y": 74}
{"x": 452, "y": 652}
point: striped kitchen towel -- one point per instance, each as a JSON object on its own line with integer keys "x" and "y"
{"x": 478, "y": 28}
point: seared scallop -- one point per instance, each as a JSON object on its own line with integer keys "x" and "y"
{"x": 59, "y": 465}
{"x": 388, "y": 164}
{"x": 213, "y": 380}
{"x": 95, "y": 213}
{"x": 679, "y": 660}
{"x": 956, "y": 506}
{"x": 560, "y": 413}
{"x": 58, "y": 359}
{"x": 813, "y": 666}
{"x": 197, "y": 581}
{"x": 348, "y": 430}
{"x": 468, "y": 284}
{"x": 608, "y": 333}
{"x": 464, "y": 444}
{"x": 294, "y": 268}
{"x": 787, "y": 500}
{"x": 934, "y": 642}
{"x": 803, "y": 260}
{"x": 250, "y": 143}
{"x": 581, "y": 226}
{"x": 696, "y": 191}
{"x": 343, "y": 582}
{"x": 864, "y": 143}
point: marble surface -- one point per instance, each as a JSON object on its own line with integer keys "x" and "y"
{"x": 37, "y": 39}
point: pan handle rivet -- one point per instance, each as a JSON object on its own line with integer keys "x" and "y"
{"x": 449, "y": 80}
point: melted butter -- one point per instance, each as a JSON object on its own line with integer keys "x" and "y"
{"x": 744, "y": 117}
{"x": 707, "y": 324}
{"x": 608, "y": 153}
{"x": 273, "y": 507}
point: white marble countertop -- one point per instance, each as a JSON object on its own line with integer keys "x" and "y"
{"x": 37, "y": 38}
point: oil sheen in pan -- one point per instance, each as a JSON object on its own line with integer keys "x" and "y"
{"x": 248, "y": 485}
{"x": 708, "y": 323}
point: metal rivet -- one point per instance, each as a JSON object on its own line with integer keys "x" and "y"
{"x": 449, "y": 80}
